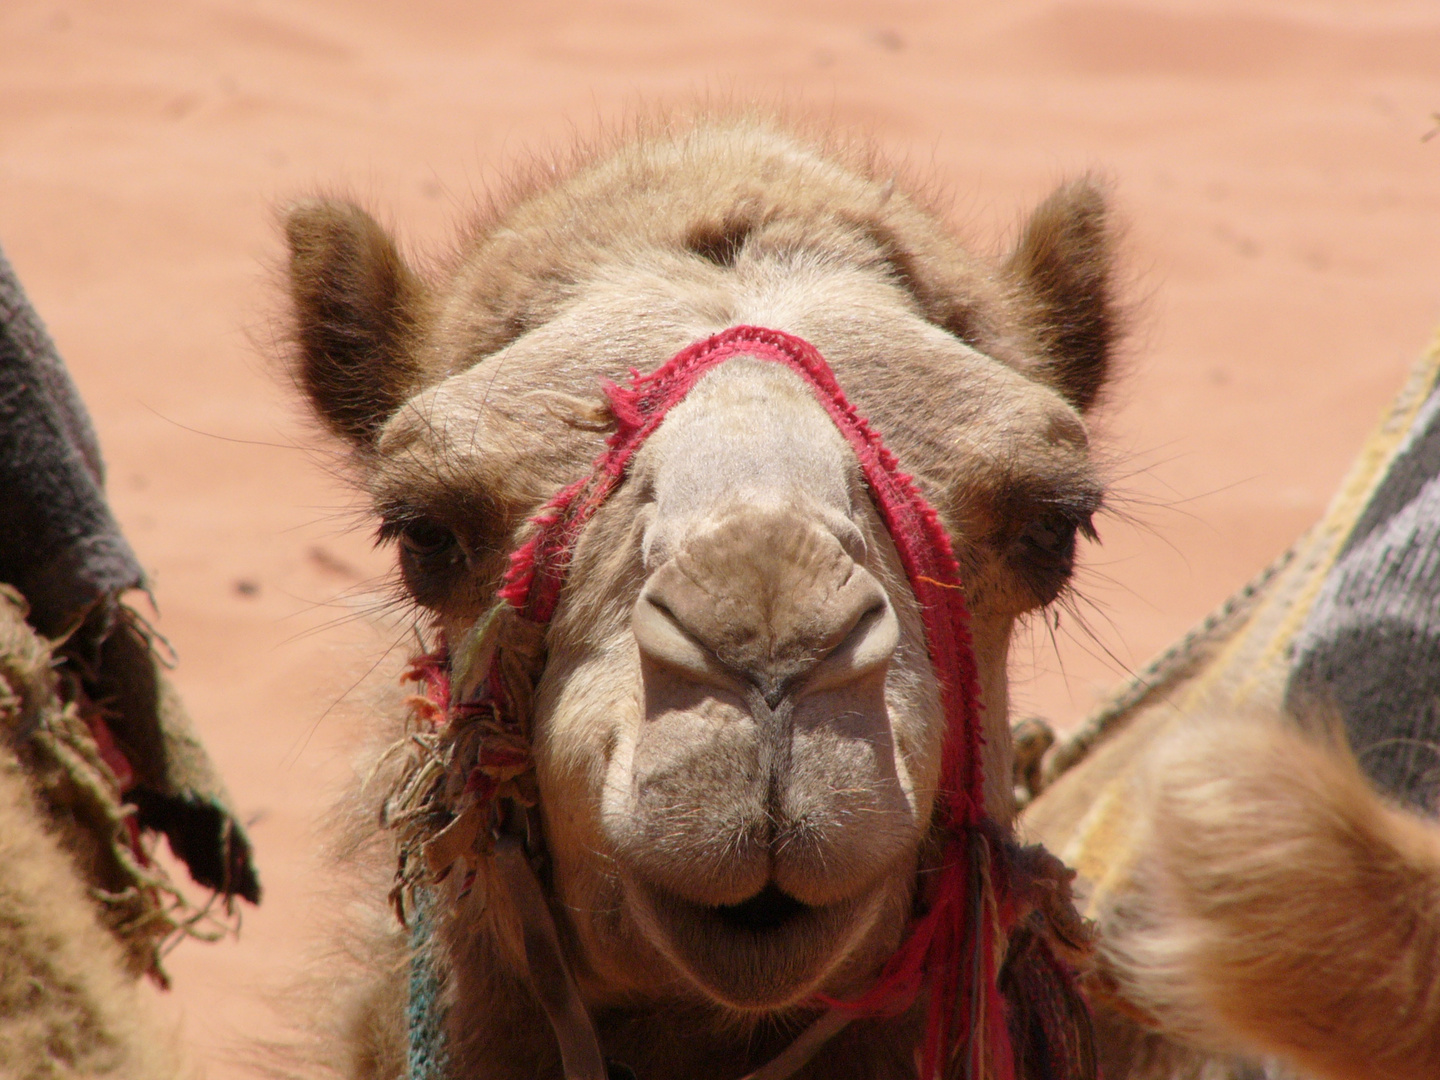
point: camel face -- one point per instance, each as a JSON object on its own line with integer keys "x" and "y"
{"x": 761, "y": 790}
{"x": 737, "y": 730}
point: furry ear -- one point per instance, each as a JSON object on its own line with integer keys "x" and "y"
{"x": 1064, "y": 265}
{"x": 355, "y": 305}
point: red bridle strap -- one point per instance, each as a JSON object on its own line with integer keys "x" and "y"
{"x": 949, "y": 952}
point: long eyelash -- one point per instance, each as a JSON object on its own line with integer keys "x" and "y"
{"x": 393, "y": 522}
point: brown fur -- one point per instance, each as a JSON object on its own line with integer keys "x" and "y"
{"x": 1286, "y": 908}
{"x": 1063, "y": 256}
{"x": 772, "y": 720}
{"x": 359, "y": 300}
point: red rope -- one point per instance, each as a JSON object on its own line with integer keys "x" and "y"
{"x": 949, "y": 952}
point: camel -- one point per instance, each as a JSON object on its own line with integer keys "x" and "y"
{"x": 677, "y": 819}
{"x": 674, "y": 797}
{"x": 69, "y": 1004}
{"x": 98, "y": 757}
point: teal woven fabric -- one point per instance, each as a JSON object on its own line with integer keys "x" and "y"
{"x": 425, "y": 1013}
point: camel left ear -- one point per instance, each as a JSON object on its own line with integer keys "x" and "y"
{"x": 1064, "y": 265}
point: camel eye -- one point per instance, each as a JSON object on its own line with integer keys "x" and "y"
{"x": 1043, "y": 551}
{"x": 427, "y": 540}
{"x": 1051, "y": 537}
{"x": 432, "y": 558}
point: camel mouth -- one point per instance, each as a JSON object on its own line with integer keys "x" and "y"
{"x": 771, "y": 909}
{"x": 766, "y": 953}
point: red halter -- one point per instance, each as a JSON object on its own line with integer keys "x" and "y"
{"x": 949, "y": 953}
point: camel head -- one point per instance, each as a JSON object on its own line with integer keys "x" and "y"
{"x": 737, "y": 730}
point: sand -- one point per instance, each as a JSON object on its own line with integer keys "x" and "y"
{"x": 1272, "y": 160}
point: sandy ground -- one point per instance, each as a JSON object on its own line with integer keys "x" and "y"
{"x": 1270, "y": 157}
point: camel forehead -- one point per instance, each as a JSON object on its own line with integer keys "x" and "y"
{"x": 917, "y": 384}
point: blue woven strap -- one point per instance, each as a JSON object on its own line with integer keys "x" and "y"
{"x": 424, "y": 1014}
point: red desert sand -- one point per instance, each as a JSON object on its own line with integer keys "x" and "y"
{"x": 1274, "y": 160}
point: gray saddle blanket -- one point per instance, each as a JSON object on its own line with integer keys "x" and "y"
{"x": 59, "y": 544}
{"x": 1370, "y": 647}
{"x": 61, "y": 549}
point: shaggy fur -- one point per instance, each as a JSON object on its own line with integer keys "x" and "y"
{"x": 1063, "y": 258}
{"x": 360, "y": 299}
{"x": 1287, "y": 909}
{"x": 737, "y": 690}
{"x": 69, "y": 1006}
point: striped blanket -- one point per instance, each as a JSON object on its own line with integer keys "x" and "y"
{"x": 1346, "y": 621}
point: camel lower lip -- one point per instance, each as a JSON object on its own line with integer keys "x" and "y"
{"x": 765, "y": 953}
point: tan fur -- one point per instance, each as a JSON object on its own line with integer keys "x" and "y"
{"x": 69, "y": 1004}
{"x": 1285, "y": 908}
{"x": 68, "y": 1008}
{"x": 737, "y": 696}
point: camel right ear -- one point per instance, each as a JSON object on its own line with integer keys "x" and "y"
{"x": 355, "y": 305}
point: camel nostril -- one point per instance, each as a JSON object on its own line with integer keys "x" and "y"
{"x": 663, "y": 639}
{"x": 865, "y": 650}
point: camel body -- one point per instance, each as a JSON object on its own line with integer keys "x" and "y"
{"x": 1266, "y": 905}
